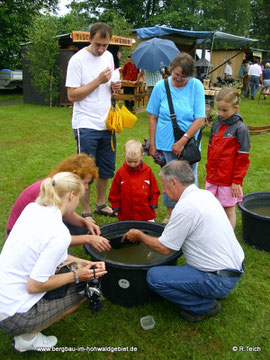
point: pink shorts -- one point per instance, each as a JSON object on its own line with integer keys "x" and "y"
{"x": 223, "y": 194}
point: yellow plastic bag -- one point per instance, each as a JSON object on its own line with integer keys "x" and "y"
{"x": 114, "y": 122}
{"x": 128, "y": 119}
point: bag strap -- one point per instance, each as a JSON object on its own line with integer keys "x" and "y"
{"x": 178, "y": 133}
{"x": 167, "y": 87}
{"x": 199, "y": 137}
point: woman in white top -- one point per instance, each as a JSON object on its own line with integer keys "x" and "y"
{"x": 37, "y": 244}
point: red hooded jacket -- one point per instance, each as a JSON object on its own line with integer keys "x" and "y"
{"x": 135, "y": 192}
{"x": 228, "y": 152}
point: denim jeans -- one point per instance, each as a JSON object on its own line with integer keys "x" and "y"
{"x": 98, "y": 144}
{"x": 191, "y": 289}
{"x": 169, "y": 156}
{"x": 254, "y": 84}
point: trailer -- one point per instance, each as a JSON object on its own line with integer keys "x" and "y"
{"x": 11, "y": 79}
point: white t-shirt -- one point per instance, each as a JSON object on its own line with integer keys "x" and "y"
{"x": 200, "y": 226}
{"x": 255, "y": 70}
{"x": 92, "y": 111}
{"x": 228, "y": 69}
{"x": 36, "y": 245}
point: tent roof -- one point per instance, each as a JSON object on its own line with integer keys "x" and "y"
{"x": 217, "y": 35}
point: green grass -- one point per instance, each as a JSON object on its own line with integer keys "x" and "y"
{"x": 33, "y": 140}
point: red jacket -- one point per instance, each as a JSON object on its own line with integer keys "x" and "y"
{"x": 135, "y": 192}
{"x": 228, "y": 152}
{"x": 130, "y": 71}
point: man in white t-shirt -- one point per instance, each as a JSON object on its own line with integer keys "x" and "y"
{"x": 89, "y": 87}
{"x": 228, "y": 70}
{"x": 200, "y": 227}
{"x": 255, "y": 74}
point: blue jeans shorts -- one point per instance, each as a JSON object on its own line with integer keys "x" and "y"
{"x": 98, "y": 144}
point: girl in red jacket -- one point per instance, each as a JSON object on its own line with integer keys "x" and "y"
{"x": 228, "y": 153}
{"x": 134, "y": 192}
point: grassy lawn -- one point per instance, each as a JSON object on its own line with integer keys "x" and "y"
{"x": 33, "y": 140}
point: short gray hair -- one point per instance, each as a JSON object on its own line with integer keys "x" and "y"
{"x": 180, "y": 170}
{"x": 186, "y": 62}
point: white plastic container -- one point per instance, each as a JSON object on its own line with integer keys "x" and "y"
{"x": 116, "y": 75}
{"x": 147, "y": 322}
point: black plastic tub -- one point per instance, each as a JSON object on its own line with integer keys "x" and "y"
{"x": 125, "y": 283}
{"x": 255, "y": 224}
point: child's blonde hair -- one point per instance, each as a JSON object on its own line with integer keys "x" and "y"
{"x": 133, "y": 147}
{"x": 54, "y": 189}
{"x": 228, "y": 95}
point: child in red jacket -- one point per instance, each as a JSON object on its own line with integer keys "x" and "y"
{"x": 228, "y": 153}
{"x": 134, "y": 192}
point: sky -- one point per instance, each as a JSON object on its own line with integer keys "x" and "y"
{"x": 62, "y": 6}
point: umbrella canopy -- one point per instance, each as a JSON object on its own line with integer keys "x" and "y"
{"x": 154, "y": 54}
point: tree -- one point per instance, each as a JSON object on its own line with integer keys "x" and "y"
{"x": 134, "y": 12}
{"x": 120, "y": 26}
{"x": 43, "y": 56}
{"x": 15, "y": 17}
{"x": 220, "y": 15}
{"x": 236, "y": 15}
{"x": 261, "y": 24}
{"x": 74, "y": 20}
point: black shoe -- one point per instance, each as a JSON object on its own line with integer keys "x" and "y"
{"x": 193, "y": 317}
{"x": 252, "y": 98}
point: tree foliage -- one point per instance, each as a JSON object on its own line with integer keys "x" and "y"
{"x": 43, "y": 56}
{"x": 186, "y": 14}
{"x": 15, "y": 18}
{"x": 74, "y": 20}
{"x": 260, "y": 26}
{"x": 242, "y": 17}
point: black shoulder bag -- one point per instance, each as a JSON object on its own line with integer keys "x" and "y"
{"x": 191, "y": 152}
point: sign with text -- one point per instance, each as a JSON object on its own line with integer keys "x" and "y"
{"x": 121, "y": 40}
{"x": 84, "y": 36}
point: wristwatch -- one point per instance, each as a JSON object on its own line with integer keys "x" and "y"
{"x": 186, "y": 135}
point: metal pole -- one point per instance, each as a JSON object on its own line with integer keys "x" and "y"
{"x": 191, "y": 51}
{"x": 211, "y": 51}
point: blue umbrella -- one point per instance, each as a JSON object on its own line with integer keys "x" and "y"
{"x": 154, "y": 54}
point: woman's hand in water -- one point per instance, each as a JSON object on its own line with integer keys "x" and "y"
{"x": 99, "y": 243}
{"x": 132, "y": 235}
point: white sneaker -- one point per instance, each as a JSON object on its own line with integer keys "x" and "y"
{"x": 39, "y": 343}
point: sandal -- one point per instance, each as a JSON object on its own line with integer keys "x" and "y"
{"x": 98, "y": 210}
{"x": 85, "y": 215}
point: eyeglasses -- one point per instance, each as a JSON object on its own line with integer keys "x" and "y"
{"x": 180, "y": 76}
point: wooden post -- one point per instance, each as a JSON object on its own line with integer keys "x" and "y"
{"x": 139, "y": 97}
